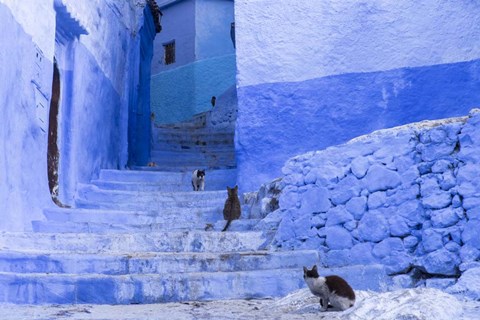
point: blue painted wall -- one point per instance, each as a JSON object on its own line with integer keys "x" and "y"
{"x": 205, "y": 59}
{"x": 178, "y": 23}
{"x": 93, "y": 114}
{"x": 213, "y": 19}
{"x": 319, "y": 74}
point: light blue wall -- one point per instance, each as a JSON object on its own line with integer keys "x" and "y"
{"x": 23, "y": 144}
{"x": 319, "y": 74}
{"x": 205, "y": 64}
{"x": 213, "y": 19}
{"x": 92, "y": 119}
{"x": 178, "y": 23}
{"x": 178, "y": 94}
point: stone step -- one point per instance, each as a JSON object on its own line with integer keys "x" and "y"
{"x": 192, "y": 155}
{"x": 182, "y": 168}
{"x": 209, "y": 148}
{"x": 109, "y": 227}
{"x": 54, "y": 288}
{"x": 189, "y": 135}
{"x": 197, "y": 121}
{"x": 179, "y": 217}
{"x": 171, "y": 241}
{"x": 152, "y": 262}
{"x": 160, "y": 177}
{"x": 90, "y": 196}
{"x": 210, "y": 185}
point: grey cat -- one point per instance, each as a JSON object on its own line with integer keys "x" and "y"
{"x": 232, "y": 208}
{"x": 332, "y": 290}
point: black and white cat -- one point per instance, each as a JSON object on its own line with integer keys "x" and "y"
{"x": 332, "y": 290}
{"x": 198, "y": 180}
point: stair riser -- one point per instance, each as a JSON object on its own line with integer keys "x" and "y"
{"x": 134, "y": 289}
{"x": 146, "y": 289}
{"x": 163, "y": 177}
{"x": 166, "y": 217}
{"x": 147, "y": 206}
{"x": 137, "y": 242}
{"x": 187, "y": 186}
{"x": 150, "y": 264}
{"x": 107, "y": 228}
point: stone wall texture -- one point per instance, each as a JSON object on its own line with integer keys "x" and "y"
{"x": 407, "y": 198}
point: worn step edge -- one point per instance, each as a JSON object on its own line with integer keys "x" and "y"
{"x": 151, "y": 262}
{"x": 171, "y": 241}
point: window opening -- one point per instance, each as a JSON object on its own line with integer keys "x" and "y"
{"x": 169, "y": 52}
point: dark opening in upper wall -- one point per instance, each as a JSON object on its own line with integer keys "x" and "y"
{"x": 169, "y": 52}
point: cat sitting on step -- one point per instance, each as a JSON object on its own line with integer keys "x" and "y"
{"x": 198, "y": 180}
{"x": 333, "y": 291}
{"x": 232, "y": 208}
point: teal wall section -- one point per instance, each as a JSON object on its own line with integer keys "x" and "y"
{"x": 178, "y": 94}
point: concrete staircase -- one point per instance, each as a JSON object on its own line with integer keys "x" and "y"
{"x": 142, "y": 236}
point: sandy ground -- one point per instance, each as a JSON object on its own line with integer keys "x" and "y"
{"x": 412, "y": 304}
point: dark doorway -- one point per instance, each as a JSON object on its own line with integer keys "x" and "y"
{"x": 53, "y": 153}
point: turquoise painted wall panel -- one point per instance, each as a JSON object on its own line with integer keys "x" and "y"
{"x": 178, "y": 94}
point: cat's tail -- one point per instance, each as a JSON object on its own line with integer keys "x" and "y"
{"x": 227, "y": 225}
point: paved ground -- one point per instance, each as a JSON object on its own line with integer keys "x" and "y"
{"x": 413, "y": 304}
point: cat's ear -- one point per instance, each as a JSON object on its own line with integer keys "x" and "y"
{"x": 314, "y": 268}
{"x": 305, "y": 270}
{"x": 228, "y": 188}
{"x": 236, "y": 188}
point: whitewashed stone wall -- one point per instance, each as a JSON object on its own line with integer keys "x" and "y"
{"x": 407, "y": 198}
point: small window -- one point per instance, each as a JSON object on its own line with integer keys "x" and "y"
{"x": 169, "y": 52}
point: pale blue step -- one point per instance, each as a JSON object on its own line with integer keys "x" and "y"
{"x": 181, "y": 168}
{"x": 54, "y": 288}
{"x": 155, "y": 176}
{"x": 90, "y": 196}
{"x": 192, "y": 156}
{"x": 148, "y": 288}
{"x": 171, "y": 241}
{"x": 152, "y": 262}
{"x": 167, "y": 216}
{"x": 111, "y": 227}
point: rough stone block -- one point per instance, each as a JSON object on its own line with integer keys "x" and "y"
{"x": 468, "y": 284}
{"x": 410, "y": 242}
{"x": 431, "y": 240}
{"x": 361, "y": 253}
{"x": 338, "y": 238}
{"x": 444, "y": 218}
{"x": 373, "y": 226}
{"x": 379, "y": 178}
{"x": 357, "y": 206}
{"x": 469, "y": 253}
{"x": 338, "y": 215}
{"x": 360, "y": 166}
{"x": 337, "y": 258}
{"x": 387, "y": 247}
{"x": 346, "y": 189}
{"x": 289, "y": 197}
{"x": 470, "y": 235}
{"x": 441, "y": 262}
{"x": 377, "y": 199}
{"x": 398, "y": 226}
{"x": 315, "y": 199}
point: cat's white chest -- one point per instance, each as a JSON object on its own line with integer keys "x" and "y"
{"x": 317, "y": 286}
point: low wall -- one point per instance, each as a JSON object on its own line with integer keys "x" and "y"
{"x": 405, "y": 197}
